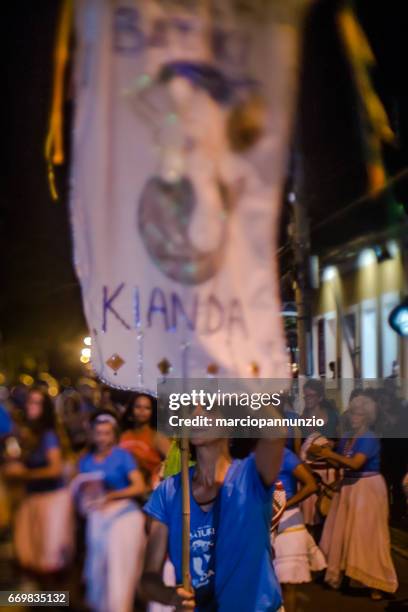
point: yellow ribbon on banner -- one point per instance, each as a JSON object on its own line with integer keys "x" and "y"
{"x": 54, "y": 144}
{"x": 362, "y": 59}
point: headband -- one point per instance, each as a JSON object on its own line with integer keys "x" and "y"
{"x": 105, "y": 418}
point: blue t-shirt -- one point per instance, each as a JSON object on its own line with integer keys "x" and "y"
{"x": 6, "y": 424}
{"x": 230, "y": 544}
{"x": 368, "y": 444}
{"x": 37, "y": 458}
{"x": 289, "y": 463}
{"x": 115, "y": 467}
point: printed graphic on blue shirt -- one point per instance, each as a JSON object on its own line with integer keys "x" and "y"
{"x": 202, "y": 548}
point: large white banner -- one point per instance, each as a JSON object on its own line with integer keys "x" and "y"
{"x": 181, "y": 130}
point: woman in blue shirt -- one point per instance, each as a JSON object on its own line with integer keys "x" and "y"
{"x": 44, "y": 531}
{"x": 230, "y": 551}
{"x": 115, "y": 537}
{"x": 355, "y": 537}
{"x": 296, "y": 553}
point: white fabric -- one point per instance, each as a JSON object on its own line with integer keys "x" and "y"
{"x": 114, "y": 556}
{"x": 296, "y": 552}
{"x": 327, "y": 474}
{"x": 44, "y": 531}
{"x": 147, "y": 264}
{"x": 356, "y": 539}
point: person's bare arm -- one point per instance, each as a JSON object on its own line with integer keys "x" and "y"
{"x": 268, "y": 458}
{"x": 53, "y": 469}
{"x": 309, "y": 485}
{"x": 355, "y": 463}
{"x": 152, "y": 585}
{"x": 137, "y": 487}
{"x": 162, "y": 444}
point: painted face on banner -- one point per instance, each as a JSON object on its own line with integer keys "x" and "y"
{"x": 184, "y": 210}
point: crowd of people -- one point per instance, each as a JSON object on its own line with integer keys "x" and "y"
{"x": 87, "y": 481}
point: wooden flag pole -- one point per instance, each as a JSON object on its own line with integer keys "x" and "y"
{"x": 185, "y": 484}
{"x": 184, "y": 443}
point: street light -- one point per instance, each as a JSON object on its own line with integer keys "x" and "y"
{"x": 86, "y": 350}
{"x": 398, "y": 318}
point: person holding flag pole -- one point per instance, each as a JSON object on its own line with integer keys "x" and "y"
{"x": 229, "y": 554}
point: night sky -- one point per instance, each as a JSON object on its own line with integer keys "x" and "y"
{"x": 41, "y": 313}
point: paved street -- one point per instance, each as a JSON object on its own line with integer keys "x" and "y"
{"x": 317, "y": 598}
{"x": 313, "y": 597}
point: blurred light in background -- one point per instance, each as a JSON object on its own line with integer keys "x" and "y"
{"x": 398, "y": 318}
{"x": 86, "y": 351}
{"x": 329, "y": 273}
{"x": 26, "y": 379}
{"x": 367, "y": 257}
{"x": 392, "y": 247}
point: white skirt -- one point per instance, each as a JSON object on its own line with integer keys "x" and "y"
{"x": 296, "y": 552}
{"x": 356, "y": 538}
{"x": 115, "y": 545}
{"x": 44, "y": 531}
